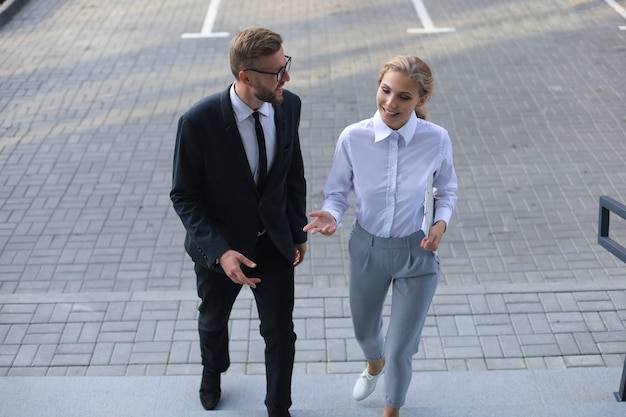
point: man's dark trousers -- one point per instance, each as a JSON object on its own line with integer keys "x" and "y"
{"x": 274, "y": 297}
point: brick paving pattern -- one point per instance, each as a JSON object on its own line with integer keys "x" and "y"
{"x": 93, "y": 276}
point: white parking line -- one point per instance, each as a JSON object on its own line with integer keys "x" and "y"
{"x": 619, "y": 9}
{"x": 427, "y": 23}
{"x": 207, "y": 26}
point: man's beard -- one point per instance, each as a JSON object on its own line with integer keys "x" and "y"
{"x": 268, "y": 96}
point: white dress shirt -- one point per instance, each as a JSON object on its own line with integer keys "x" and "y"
{"x": 245, "y": 123}
{"x": 386, "y": 170}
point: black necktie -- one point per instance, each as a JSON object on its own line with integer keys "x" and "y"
{"x": 260, "y": 138}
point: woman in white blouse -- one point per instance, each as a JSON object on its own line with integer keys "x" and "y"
{"x": 386, "y": 161}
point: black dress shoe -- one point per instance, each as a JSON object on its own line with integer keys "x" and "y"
{"x": 210, "y": 390}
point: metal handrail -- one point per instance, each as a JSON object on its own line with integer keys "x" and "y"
{"x": 608, "y": 205}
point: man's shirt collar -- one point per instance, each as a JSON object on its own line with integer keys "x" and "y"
{"x": 241, "y": 109}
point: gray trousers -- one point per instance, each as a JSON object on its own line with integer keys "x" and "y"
{"x": 413, "y": 273}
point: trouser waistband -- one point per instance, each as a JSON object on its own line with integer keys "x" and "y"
{"x": 387, "y": 242}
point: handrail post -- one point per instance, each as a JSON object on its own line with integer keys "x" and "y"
{"x": 622, "y": 385}
{"x": 608, "y": 205}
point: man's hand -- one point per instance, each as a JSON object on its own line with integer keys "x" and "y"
{"x": 300, "y": 251}
{"x": 231, "y": 262}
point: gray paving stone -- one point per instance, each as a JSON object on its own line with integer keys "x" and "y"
{"x": 25, "y": 355}
{"x": 510, "y": 345}
{"x": 44, "y": 356}
{"x": 70, "y": 332}
{"x": 90, "y": 332}
{"x": 491, "y": 347}
{"x": 102, "y": 354}
{"x": 505, "y": 363}
{"x": 16, "y": 334}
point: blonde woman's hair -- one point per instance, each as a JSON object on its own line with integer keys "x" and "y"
{"x": 418, "y": 71}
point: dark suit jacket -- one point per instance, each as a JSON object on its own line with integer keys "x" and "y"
{"x": 213, "y": 189}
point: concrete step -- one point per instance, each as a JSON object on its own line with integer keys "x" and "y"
{"x": 587, "y": 392}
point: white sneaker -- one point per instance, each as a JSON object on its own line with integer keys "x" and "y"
{"x": 365, "y": 385}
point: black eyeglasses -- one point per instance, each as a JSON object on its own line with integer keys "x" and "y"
{"x": 279, "y": 74}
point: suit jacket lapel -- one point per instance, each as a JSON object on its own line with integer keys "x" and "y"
{"x": 281, "y": 128}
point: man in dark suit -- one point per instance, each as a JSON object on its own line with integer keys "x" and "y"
{"x": 240, "y": 190}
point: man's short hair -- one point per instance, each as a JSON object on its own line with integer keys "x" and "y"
{"x": 250, "y": 44}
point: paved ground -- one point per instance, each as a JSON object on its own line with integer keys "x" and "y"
{"x": 93, "y": 277}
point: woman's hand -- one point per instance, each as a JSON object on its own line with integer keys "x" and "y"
{"x": 435, "y": 234}
{"x": 323, "y": 222}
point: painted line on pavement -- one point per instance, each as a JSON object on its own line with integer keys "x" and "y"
{"x": 207, "y": 26}
{"x": 619, "y": 9}
{"x": 427, "y": 23}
